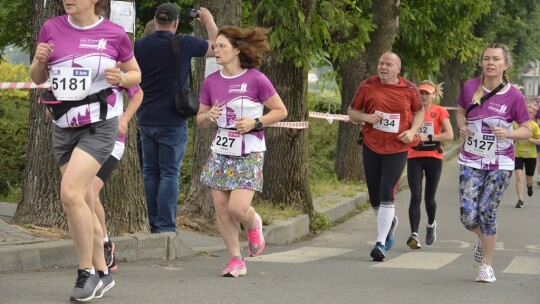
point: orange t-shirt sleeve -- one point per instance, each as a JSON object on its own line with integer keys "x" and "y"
{"x": 359, "y": 97}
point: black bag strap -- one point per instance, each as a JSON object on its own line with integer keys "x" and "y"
{"x": 59, "y": 108}
{"x": 176, "y": 53}
{"x": 486, "y": 97}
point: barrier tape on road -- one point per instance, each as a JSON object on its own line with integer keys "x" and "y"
{"x": 22, "y": 85}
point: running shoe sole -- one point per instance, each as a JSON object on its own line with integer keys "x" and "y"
{"x": 413, "y": 243}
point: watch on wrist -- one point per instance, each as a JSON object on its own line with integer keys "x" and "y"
{"x": 122, "y": 79}
{"x": 258, "y": 124}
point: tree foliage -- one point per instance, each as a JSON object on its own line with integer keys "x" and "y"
{"x": 515, "y": 23}
{"x": 14, "y": 25}
{"x": 431, "y": 32}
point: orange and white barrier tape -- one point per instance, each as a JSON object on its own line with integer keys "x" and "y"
{"x": 291, "y": 124}
{"x": 329, "y": 116}
{"x": 22, "y": 85}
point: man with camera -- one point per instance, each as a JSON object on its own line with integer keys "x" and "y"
{"x": 162, "y": 129}
{"x": 390, "y": 108}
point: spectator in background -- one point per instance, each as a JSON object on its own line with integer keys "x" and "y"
{"x": 485, "y": 121}
{"x": 234, "y": 99}
{"x": 391, "y": 110}
{"x": 149, "y": 28}
{"x": 163, "y": 131}
{"x": 526, "y": 157}
{"x": 426, "y": 159}
{"x": 537, "y": 119}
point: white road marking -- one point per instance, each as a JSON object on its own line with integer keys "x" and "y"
{"x": 412, "y": 260}
{"x": 533, "y": 248}
{"x": 524, "y": 265}
{"x": 420, "y": 260}
{"x": 302, "y": 255}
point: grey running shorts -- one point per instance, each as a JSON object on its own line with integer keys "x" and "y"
{"x": 99, "y": 144}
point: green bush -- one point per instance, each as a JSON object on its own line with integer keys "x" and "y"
{"x": 321, "y": 143}
{"x": 13, "y": 73}
{"x": 13, "y": 142}
{"x": 13, "y": 130}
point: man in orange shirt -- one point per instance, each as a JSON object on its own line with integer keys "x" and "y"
{"x": 390, "y": 107}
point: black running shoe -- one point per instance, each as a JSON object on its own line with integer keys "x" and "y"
{"x": 110, "y": 259}
{"x": 519, "y": 204}
{"x": 378, "y": 252}
{"x": 529, "y": 190}
{"x": 431, "y": 234}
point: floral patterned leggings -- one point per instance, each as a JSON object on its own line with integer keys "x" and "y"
{"x": 480, "y": 192}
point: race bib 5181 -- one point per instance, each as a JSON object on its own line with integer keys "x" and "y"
{"x": 69, "y": 83}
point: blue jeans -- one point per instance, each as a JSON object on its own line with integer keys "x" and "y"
{"x": 163, "y": 148}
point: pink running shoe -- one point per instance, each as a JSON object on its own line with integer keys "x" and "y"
{"x": 256, "y": 238}
{"x": 235, "y": 268}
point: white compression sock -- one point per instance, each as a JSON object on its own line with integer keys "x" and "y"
{"x": 385, "y": 217}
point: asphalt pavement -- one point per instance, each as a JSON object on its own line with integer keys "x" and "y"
{"x": 334, "y": 266}
{"x": 21, "y": 251}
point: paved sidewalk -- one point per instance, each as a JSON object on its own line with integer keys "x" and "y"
{"x": 22, "y": 251}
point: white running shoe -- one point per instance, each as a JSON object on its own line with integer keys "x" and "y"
{"x": 485, "y": 274}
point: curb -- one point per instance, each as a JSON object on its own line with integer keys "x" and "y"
{"x": 39, "y": 253}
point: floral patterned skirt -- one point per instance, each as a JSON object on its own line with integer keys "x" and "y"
{"x": 224, "y": 172}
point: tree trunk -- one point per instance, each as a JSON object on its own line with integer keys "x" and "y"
{"x": 451, "y": 73}
{"x": 123, "y": 195}
{"x": 199, "y": 200}
{"x": 386, "y": 14}
{"x": 348, "y": 163}
{"x": 40, "y": 204}
{"x": 285, "y": 165}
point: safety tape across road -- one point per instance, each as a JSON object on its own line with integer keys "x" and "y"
{"x": 23, "y": 85}
{"x": 329, "y": 116}
{"x": 290, "y": 125}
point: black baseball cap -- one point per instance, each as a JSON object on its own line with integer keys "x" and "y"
{"x": 167, "y": 12}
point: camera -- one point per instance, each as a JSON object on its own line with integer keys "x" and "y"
{"x": 192, "y": 12}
